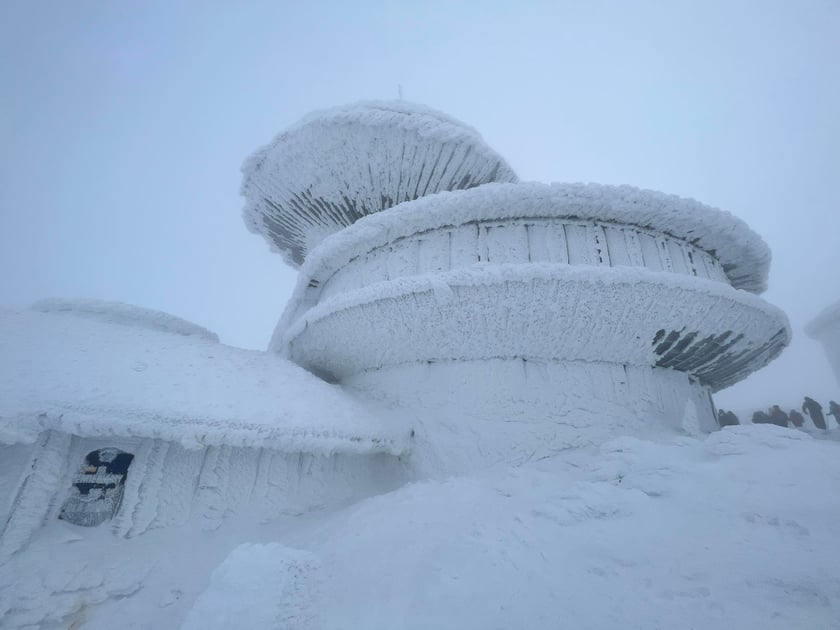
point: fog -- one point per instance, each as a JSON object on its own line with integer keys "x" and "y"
{"x": 122, "y": 130}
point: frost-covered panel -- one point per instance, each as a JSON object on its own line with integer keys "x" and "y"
{"x": 401, "y": 257}
{"x": 581, "y": 248}
{"x": 677, "y": 255}
{"x": 598, "y": 240}
{"x": 664, "y": 254}
{"x": 14, "y": 462}
{"x": 650, "y": 252}
{"x": 337, "y": 166}
{"x": 463, "y": 245}
{"x": 634, "y": 247}
{"x": 617, "y": 245}
{"x": 507, "y": 243}
{"x": 35, "y": 492}
{"x": 433, "y": 252}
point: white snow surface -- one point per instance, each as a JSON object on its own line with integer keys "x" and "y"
{"x": 735, "y": 530}
{"x": 337, "y": 165}
{"x": 743, "y": 254}
{"x": 89, "y": 376}
{"x": 125, "y": 315}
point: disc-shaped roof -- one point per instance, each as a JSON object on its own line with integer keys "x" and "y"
{"x": 336, "y": 166}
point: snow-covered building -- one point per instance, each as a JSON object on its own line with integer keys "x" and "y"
{"x": 114, "y": 412}
{"x": 446, "y": 318}
{"x": 825, "y": 328}
{"x": 505, "y": 320}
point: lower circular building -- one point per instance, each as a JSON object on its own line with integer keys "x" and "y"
{"x": 508, "y": 321}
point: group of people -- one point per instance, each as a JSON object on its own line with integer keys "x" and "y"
{"x": 775, "y": 415}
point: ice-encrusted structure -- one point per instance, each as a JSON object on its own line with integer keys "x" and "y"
{"x": 339, "y": 165}
{"x": 213, "y": 430}
{"x": 825, "y": 328}
{"x": 446, "y": 318}
{"x": 507, "y": 319}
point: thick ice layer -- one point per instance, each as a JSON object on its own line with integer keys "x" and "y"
{"x": 124, "y": 315}
{"x": 620, "y": 315}
{"x": 744, "y": 255}
{"x": 91, "y": 378}
{"x": 339, "y": 165}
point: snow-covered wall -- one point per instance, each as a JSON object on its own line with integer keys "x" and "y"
{"x": 169, "y": 485}
{"x": 473, "y": 414}
{"x": 825, "y": 328}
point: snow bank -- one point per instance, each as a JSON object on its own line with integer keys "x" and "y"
{"x": 338, "y": 165}
{"x": 744, "y": 255}
{"x": 90, "y": 377}
{"x": 124, "y": 315}
{"x": 257, "y": 586}
{"x": 736, "y": 531}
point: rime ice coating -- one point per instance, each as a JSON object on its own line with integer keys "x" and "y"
{"x": 85, "y": 377}
{"x": 338, "y": 165}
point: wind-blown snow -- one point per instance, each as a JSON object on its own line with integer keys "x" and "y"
{"x": 737, "y": 530}
{"x": 92, "y": 377}
{"x": 338, "y": 165}
{"x": 124, "y": 315}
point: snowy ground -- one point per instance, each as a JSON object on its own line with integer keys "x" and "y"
{"x": 737, "y": 530}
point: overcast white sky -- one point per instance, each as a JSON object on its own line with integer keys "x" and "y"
{"x": 123, "y": 126}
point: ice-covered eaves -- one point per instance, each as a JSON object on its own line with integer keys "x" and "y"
{"x": 338, "y": 165}
{"x": 91, "y": 377}
{"x": 745, "y": 257}
{"x": 543, "y": 311}
{"x": 124, "y": 315}
{"x": 828, "y": 317}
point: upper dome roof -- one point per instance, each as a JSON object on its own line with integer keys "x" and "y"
{"x": 338, "y": 165}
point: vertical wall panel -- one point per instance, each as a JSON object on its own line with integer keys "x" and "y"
{"x": 617, "y": 247}
{"x": 463, "y": 246}
{"x": 650, "y": 252}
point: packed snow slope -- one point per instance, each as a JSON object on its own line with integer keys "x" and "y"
{"x": 735, "y": 530}
{"x": 99, "y": 368}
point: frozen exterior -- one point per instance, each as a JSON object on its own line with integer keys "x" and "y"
{"x": 336, "y": 166}
{"x": 825, "y": 328}
{"x": 104, "y": 405}
{"x": 510, "y": 320}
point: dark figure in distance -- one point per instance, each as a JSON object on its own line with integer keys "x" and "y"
{"x": 796, "y": 418}
{"x": 813, "y": 410}
{"x": 727, "y": 419}
{"x": 834, "y": 410}
{"x": 778, "y": 417}
{"x": 759, "y": 417}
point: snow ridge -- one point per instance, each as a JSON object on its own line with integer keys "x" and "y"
{"x": 124, "y": 315}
